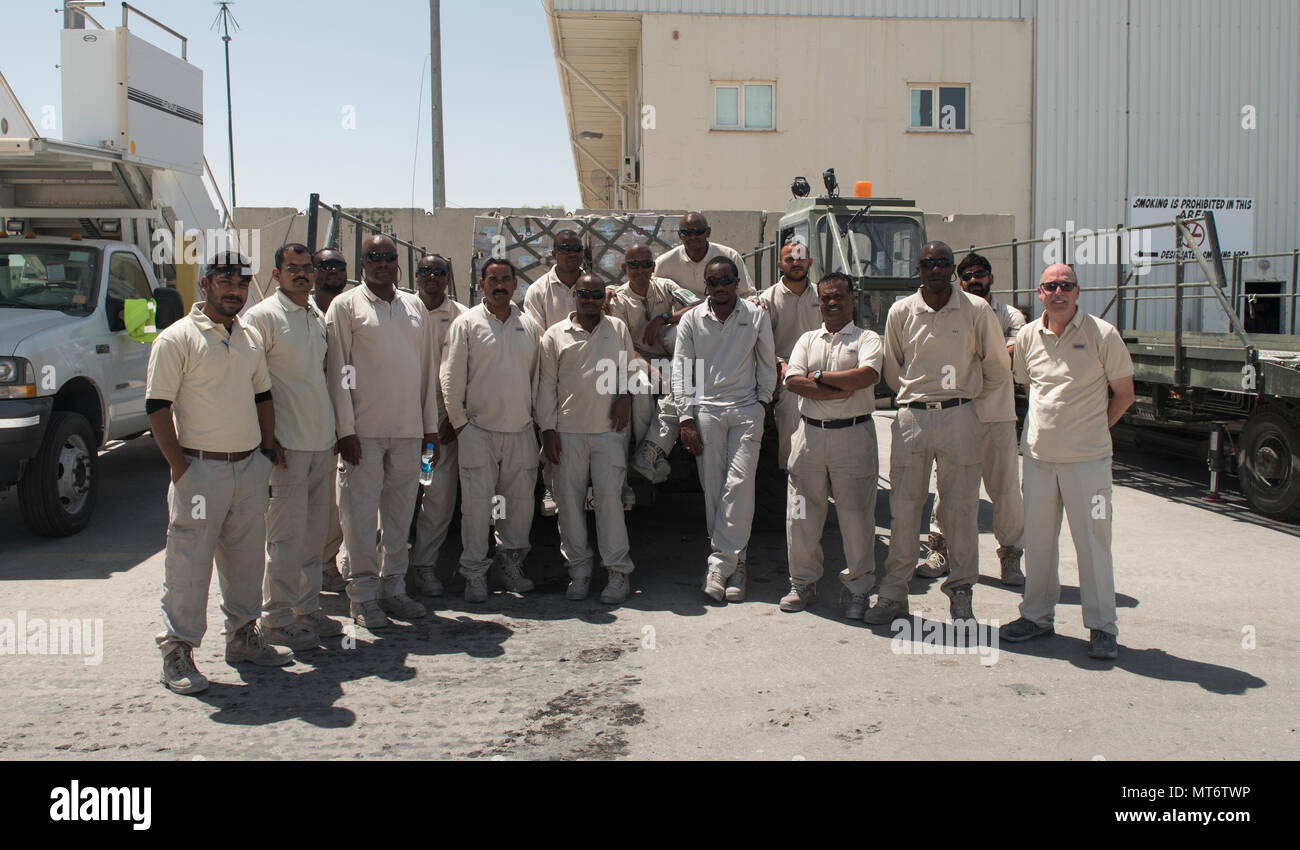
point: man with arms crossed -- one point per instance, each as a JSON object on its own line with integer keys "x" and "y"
{"x": 1070, "y": 360}
{"x": 583, "y": 417}
{"x": 724, "y": 371}
{"x": 208, "y": 395}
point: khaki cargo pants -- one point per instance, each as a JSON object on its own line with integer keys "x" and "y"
{"x": 498, "y": 472}
{"x": 436, "y": 506}
{"x": 378, "y": 492}
{"x": 1000, "y": 468}
{"x": 297, "y": 519}
{"x": 602, "y": 460}
{"x": 732, "y": 437}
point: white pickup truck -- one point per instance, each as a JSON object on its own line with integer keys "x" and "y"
{"x": 72, "y": 377}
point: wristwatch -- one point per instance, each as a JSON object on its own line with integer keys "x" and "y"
{"x": 817, "y": 376}
{"x": 668, "y": 318}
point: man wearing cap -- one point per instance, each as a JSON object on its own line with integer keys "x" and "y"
{"x": 833, "y": 372}
{"x": 549, "y": 301}
{"x": 791, "y": 303}
{"x": 685, "y": 265}
{"x": 583, "y": 407}
{"x": 208, "y": 395}
{"x": 293, "y": 340}
{"x": 651, "y": 307}
{"x": 1080, "y": 378}
{"x": 381, "y": 368}
{"x": 999, "y": 455}
{"x": 489, "y": 381}
{"x": 439, "y": 500}
{"x": 331, "y": 282}
{"x": 724, "y": 372}
{"x": 943, "y": 347}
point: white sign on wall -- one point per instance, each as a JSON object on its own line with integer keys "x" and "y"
{"x": 1234, "y": 218}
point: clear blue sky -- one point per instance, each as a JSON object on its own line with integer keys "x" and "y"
{"x": 295, "y": 66}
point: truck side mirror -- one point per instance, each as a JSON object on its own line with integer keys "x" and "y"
{"x": 169, "y": 308}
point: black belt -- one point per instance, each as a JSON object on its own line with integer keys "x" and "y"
{"x": 936, "y": 405}
{"x": 229, "y": 457}
{"x": 837, "y": 423}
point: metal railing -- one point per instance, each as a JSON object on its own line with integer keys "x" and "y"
{"x": 362, "y": 229}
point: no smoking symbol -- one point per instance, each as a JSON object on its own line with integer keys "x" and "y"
{"x": 1197, "y": 231}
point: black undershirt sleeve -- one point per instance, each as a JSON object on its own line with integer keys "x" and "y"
{"x": 153, "y": 405}
{"x": 261, "y": 397}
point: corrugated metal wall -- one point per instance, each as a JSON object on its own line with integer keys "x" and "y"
{"x": 1183, "y": 73}
{"x": 982, "y": 9}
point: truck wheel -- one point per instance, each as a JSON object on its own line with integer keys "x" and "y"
{"x": 1270, "y": 467}
{"x": 58, "y": 490}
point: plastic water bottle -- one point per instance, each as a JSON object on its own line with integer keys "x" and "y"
{"x": 426, "y": 464}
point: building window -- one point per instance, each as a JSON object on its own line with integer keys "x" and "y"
{"x": 940, "y": 108}
{"x": 744, "y": 106}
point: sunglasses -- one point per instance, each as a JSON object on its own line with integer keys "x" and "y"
{"x": 969, "y": 276}
{"x": 568, "y": 249}
{"x": 590, "y": 294}
{"x": 381, "y": 256}
{"x": 430, "y": 272}
{"x": 692, "y": 231}
{"x": 934, "y": 263}
{"x": 1064, "y": 287}
{"x": 640, "y": 264}
{"x": 300, "y": 269}
{"x": 719, "y": 281}
{"x": 332, "y": 265}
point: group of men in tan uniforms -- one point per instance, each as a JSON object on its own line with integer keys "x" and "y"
{"x": 347, "y": 388}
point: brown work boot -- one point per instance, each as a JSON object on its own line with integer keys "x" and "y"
{"x": 885, "y": 611}
{"x": 1010, "y": 558}
{"x": 331, "y": 580}
{"x": 935, "y": 564}
{"x": 248, "y": 644}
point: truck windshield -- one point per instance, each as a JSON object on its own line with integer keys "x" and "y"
{"x": 877, "y": 246}
{"x": 46, "y": 277}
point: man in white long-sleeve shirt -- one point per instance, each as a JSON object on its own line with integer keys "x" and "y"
{"x": 382, "y": 371}
{"x": 724, "y": 372}
{"x": 489, "y": 380}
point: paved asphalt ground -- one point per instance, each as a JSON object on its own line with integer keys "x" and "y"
{"x": 1207, "y": 667}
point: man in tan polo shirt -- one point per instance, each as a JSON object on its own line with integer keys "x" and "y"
{"x": 942, "y": 348}
{"x": 1000, "y": 456}
{"x": 651, "y": 307}
{"x": 489, "y": 381}
{"x": 792, "y": 305}
{"x": 432, "y": 273}
{"x": 583, "y": 407}
{"x": 331, "y": 282}
{"x": 833, "y": 372}
{"x": 685, "y": 265}
{"x": 210, "y": 407}
{"x": 382, "y": 373}
{"x": 293, "y": 338}
{"x": 1080, "y": 378}
{"x": 549, "y": 301}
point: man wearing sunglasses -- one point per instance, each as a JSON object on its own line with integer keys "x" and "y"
{"x": 1000, "y": 457}
{"x": 791, "y": 304}
{"x": 724, "y": 372}
{"x": 584, "y": 422}
{"x": 651, "y": 307}
{"x": 293, "y": 339}
{"x": 489, "y": 381}
{"x": 943, "y": 347}
{"x": 382, "y": 370}
{"x": 1080, "y": 378}
{"x": 548, "y": 301}
{"x": 208, "y": 395}
{"x": 685, "y": 265}
{"x": 432, "y": 273}
{"x": 331, "y": 281}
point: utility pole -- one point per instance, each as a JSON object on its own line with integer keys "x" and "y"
{"x": 224, "y": 20}
{"x": 435, "y": 107}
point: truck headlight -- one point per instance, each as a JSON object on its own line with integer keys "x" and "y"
{"x": 17, "y": 378}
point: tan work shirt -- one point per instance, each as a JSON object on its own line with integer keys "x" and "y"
{"x": 940, "y": 355}
{"x": 662, "y": 296}
{"x": 293, "y": 338}
{"x": 442, "y": 316}
{"x": 1068, "y": 377}
{"x": 382, "y": 366}
{"x": 489, "y": 370}
{"x": 820, "y": 350}
{"x": 581, "y": 374}
{"x": 689, "y": 275}
{"x": 210, "y": 376}
{"x": 548, "y": 301}
{"x": 792, "y": 315}
{"x": 723, "y": 363}
{"x": 998, "y": 401}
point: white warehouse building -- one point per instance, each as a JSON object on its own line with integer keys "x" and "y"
{"x": 1051, "y": 111}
